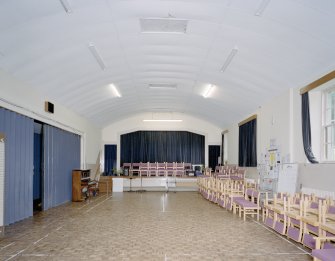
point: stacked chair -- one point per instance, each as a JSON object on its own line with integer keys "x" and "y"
{"x": 306, "y": 219}
{"x": 158, "y": 169}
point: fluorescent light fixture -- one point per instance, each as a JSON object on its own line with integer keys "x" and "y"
{"x": 209, "y": 91}
{"x": 163, "y": 25}
{"x": 66, "y": 6}
{"x": 162, "y": 120}
{"x": 163, "y": 86}
{"x": 262, "y": 7}
{"x": 115, "y": 91}
{"x": 97, "y": 56}
{"x": 229, "y": 58}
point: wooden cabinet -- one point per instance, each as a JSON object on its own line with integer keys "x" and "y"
{"x": 104, "y": 183}
{"x": 80, "y": 180}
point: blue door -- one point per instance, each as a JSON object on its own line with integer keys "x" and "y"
{"x": 110, "y": 159}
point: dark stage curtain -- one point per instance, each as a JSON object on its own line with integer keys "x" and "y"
{"x": 110, "y": 158}
{"x": 213, "y": 155}
{"x": 247, "y": 143}
{"x": 306, "y": 128}
{"x": 163, "y": 146}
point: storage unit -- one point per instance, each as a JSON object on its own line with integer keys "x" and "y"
{"x": 80, "y": 180}
{"x": 105, "y": 184}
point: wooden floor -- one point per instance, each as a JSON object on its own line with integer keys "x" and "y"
{"x": 144, "y": 226}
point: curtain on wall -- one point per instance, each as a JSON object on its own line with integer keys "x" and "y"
{"x": 213, "y": 156}
{"x": 247, "y": 143}
{"x": 61, "y": 153}
{"x": 19, "y": 132}
{"x": 110, "y": 158}
{"x": 306, "y": 128}
{"x": 163, "y": 146}
{"x": 222, "y": 149}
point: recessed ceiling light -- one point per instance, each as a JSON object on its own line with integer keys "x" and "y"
{"x": 66, "y": 6}
{"x": 262, "y": 7}
{"x": 115, "y": 90}
{"x": 163, "y": 25}
{"x": 230, "y": 57}
{"x": 163, "y": 86}
{"x": 208, "y": 91}
{"x": 97, "y": 56}
{"x": 163, "y": 120}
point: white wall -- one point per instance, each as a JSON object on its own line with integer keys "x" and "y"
{"x": 27, "y": 102}
{"x": 280, "y": 119}
{"x": 111, "y": 134}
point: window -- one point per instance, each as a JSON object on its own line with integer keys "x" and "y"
{"x": 329, "y": 125}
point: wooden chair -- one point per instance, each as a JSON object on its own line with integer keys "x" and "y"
{"x": 249, "y": 205}
{"x": 161, "y": 169}
{"x": 170, "y": 169}
{"x": 280, "y": 218}
{"x": 135, "y": 169}
{"x": 179, "y": 169}
{"x": 144, "y": 169}
{"x": 152, "y": 171}
{"x": 323, "y": 253}
{"x": 294, "y": 223}
{"x": 311, "y": 220}
{"x": 233, "y": 192}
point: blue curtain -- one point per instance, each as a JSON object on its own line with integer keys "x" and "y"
{"x": 306, "y": 128}
{"x": 247, "y": 144}
{"x": 163, "y": 146}
{"x": 213, "y": 156}
{"x": 19, "y": 131}
{"x": 110, "y": 158}
{"x": 61, "y": 154}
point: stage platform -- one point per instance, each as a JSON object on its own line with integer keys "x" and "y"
{"x": 126, "y": 183}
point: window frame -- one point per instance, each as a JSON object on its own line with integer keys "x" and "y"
{"x": 325, "y": 125}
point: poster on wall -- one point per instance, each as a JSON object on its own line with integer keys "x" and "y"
{"x": 269, "y": 167}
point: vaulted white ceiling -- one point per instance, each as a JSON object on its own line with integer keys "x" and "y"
{"x": 289, "y": 44}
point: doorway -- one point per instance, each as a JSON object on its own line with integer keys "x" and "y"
{"x": 213, "y": 156}
{"x": 110, "y": 159}
{"x": 38, "y": 160}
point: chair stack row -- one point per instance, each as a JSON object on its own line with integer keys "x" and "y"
{"x": 158, "y": 169}
{"x": 234, "y": 195}
{"x": 306, "y": 219}
{"x": 232, "y": 172}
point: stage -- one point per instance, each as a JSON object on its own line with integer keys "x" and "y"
{"x": 140, "y": 184}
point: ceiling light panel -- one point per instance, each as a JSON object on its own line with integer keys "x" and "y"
{"x": 66, "y": 6}
{"x": 162, "y": 86}
{"x": 230, "y": 57}
{"x": 163, "y": 25}
{"x": 262, "y": 7}
{"x": 162, "y": 120}
{"x": 115, "y": 90}
{"x": 97, "y": 56}
{"x": 208, "y": 91}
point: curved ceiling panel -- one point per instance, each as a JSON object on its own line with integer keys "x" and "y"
{"x": 72, "y": 50}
